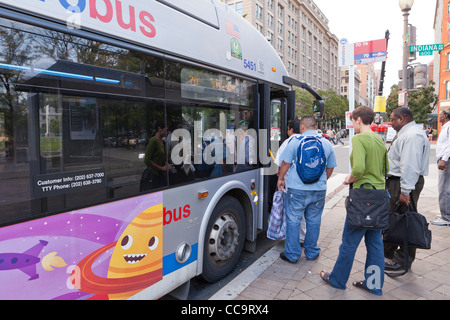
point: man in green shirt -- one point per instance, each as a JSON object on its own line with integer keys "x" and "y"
{"x": 367, "y": 149}
{"x": 368, "y": 160}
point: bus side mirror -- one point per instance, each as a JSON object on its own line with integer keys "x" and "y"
{"x": 319, "y": 109}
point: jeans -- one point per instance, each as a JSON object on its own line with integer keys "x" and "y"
{"x": 299, "y": 204}
{"x": 374, "y": 268}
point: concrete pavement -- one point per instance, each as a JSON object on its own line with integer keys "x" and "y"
{"x": 271, "y": 278}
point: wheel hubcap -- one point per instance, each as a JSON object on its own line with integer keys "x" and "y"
{"x": 224, "y": 238}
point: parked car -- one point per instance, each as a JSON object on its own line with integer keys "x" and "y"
{"x": 325, "y": 135}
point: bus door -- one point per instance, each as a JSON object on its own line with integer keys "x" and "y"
{"x": 277, "y": 106}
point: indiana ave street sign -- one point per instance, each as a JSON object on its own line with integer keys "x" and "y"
{"x": 426, "y": 50}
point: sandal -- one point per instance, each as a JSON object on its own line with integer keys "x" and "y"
{"x": 360, "y": 284}
{"x": 325, "y": 276}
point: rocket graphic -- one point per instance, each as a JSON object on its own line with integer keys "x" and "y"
{"x": 25, "y": 262}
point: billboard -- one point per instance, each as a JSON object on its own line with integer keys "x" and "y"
{"x": 361, "y": 52}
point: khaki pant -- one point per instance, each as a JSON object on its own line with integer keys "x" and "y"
{"x": 444, "y": 193}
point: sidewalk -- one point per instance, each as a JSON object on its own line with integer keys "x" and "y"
{"x": 271, "y": 278}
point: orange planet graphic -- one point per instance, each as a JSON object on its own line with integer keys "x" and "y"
{"x": 139, "y": 249}
{"x": 136, "y": 262}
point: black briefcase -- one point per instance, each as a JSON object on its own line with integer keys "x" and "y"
{"x": 409, "y": 228}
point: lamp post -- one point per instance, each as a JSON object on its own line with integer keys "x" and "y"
{"x": 405, "y": 5}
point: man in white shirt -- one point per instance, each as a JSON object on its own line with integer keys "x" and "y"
{"x": 408, "y": 163}
{"x": 443, "y": 154}
{"x": 293, "y": 131}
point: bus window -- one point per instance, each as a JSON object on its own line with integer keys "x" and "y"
{"x": 215, "y": 119}
{"x": 76, "y": 116}
{"x": 98, "y": 136}
{"x": 207, "y": 141}
{"x": 79, "y": 120}
{"x": 275, "y": 120}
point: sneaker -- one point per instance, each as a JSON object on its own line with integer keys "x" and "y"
{"x": 283, "y": 257}
{"x": 440, "y": 222}
{"x": 390, "y": 265}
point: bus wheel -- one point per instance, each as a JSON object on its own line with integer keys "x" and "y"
{"x": 224, "y": 239}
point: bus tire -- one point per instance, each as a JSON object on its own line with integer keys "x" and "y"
{"x": 224, "y": 239}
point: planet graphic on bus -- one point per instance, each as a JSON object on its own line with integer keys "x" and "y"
{"x": 136, "y": 261}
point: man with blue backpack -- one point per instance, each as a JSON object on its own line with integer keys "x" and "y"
{"x": 312, "y": 160}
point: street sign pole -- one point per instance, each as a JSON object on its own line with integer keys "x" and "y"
{"x": 405, "y": 56}
{"x": 351, "y": 98}
{"x": 351, "y": 54}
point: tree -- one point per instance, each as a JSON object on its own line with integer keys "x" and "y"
{"x": 303, "y": 103}
{"x": 335, "y": 105}
{"x": 392, "y": 100}
{"x": 15, "y": 48}
{"x": 421, "y": 102}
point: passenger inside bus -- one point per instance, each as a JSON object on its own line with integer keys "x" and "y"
{"x": 154, "y": 176}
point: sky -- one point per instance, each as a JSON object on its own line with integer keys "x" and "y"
{"x": 364, "y": 20}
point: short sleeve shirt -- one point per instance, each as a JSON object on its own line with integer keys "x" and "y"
{"x": 289, "y": 155}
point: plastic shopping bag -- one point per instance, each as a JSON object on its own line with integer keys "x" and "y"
{"x": 277, "y": 221}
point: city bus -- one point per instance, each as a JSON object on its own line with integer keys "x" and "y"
{"x": 125, "y": 137}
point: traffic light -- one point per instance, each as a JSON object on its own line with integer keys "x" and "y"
{"x": 400, "y": 77}
{"x": 319, "y": 109}
{"x": 420, "y": 76}
{"x": 409, "y": 79}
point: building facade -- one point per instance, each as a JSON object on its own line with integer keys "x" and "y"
{"x": 369, "y": 84}
{"x": 299, "y": 32}
{"x": 441, "y": 68}
{"x": 345, "y": 84}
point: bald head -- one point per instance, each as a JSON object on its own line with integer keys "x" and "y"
{"x": 308, "y": 123}
{"x": 401, "y": 117}
{"x": 403, "y": 112}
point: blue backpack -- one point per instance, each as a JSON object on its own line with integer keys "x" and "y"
{"x": 311, "y": 161}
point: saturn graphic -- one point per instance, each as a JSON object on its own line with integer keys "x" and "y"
{"x": 136, "y": 261}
